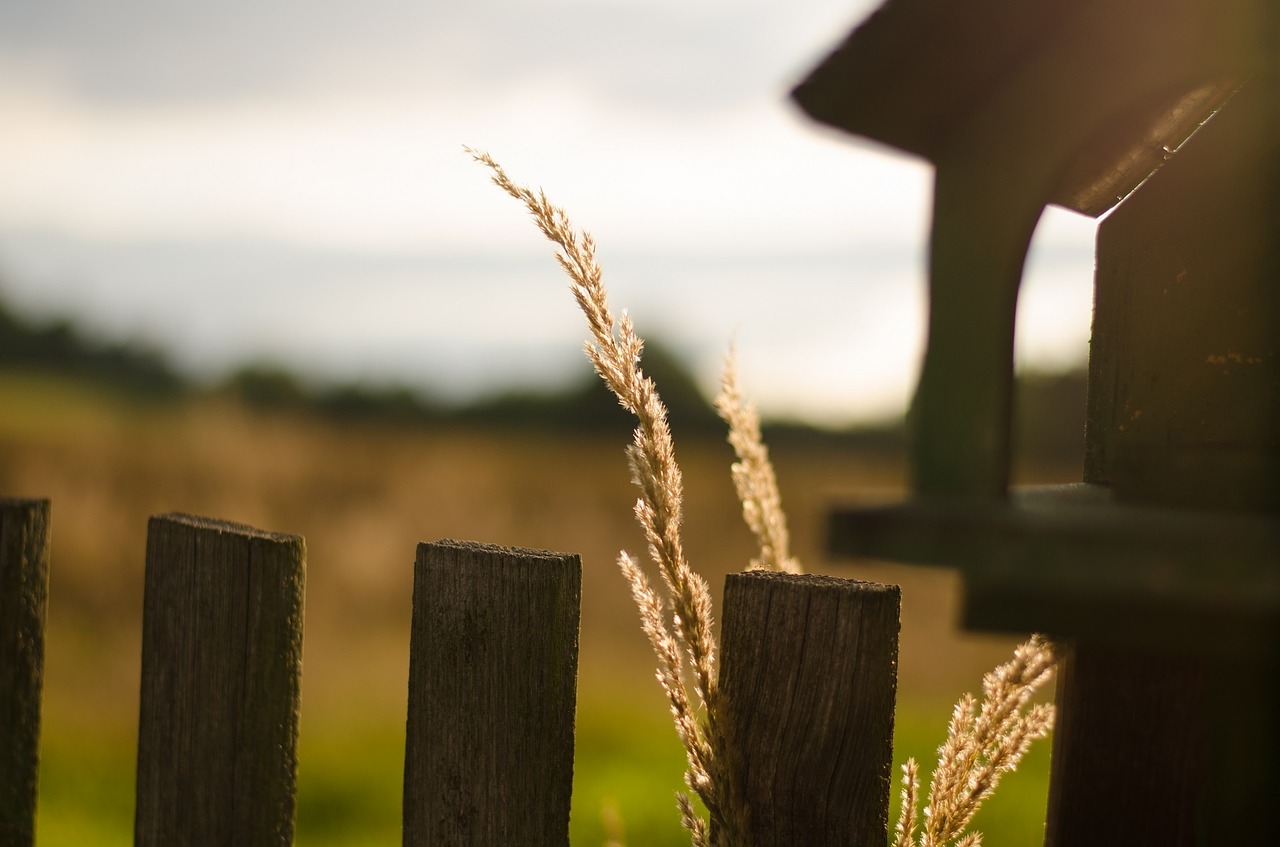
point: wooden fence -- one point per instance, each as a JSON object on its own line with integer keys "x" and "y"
{"x": 809, "y": 670}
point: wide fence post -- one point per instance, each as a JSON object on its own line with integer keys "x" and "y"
{"x": 809, "y": 680}
{"x": 492, "y": 687}
{"x": 221, "y": 667}
{"x": 24, "y": 591}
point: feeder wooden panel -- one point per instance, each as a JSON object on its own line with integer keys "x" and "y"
{"x": 1184, "y": 376}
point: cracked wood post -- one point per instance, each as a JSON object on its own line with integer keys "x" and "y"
{"x": 492, "y": 686}
{"x": 221, "y": 668}
{"x": 809, "y": 680}
{"x": 24, "y": 591}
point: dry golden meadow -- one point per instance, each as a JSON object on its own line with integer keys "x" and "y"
{"x": 363, "y": 495}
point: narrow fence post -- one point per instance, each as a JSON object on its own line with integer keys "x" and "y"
{"x": 492, "y": 687}
{"x": 24, "y": 591}
{"x": 809, "y": 680}
{"x": 221, "y": 665}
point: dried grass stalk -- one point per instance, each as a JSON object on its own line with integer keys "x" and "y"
{"x": 904, "y": 834}
{"x": 754, "y": 477}
{"x": 984, "y": 741}
{"x": 614, "y": 350}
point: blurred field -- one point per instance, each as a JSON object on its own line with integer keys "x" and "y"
{"x": 363, "y": 496}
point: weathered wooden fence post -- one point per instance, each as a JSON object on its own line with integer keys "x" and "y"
{"x": 24, "y": 589}
{"x": 809, "y": 677}
{"x": 492, "y": 687}
{"x": 221, "y": 667}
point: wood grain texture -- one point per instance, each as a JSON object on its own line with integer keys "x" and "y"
{"x": 1129, "y": 750}
{"x": 24, "y": 591}
{"x": 809, "y": 676}
{"x": 221, "y": 668}
{"x": 492, "y": 688}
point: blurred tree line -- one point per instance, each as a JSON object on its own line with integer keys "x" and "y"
{"x": 1049, "y": 422}
{"x": 60, "y": 347}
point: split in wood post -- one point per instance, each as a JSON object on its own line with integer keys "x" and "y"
{"x": 221, "y": 669}
{"x": 24, "y": 592}
{"x": 492, "y": 688}
{"x": 809, "y": 680}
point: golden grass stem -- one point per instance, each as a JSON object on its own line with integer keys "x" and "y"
{"x": 754, "y": 476}
{"x": 614, "y": 349}
{"x": 985, "y": 740}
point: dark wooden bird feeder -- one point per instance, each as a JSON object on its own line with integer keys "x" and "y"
{"x": 1161, "y": 569}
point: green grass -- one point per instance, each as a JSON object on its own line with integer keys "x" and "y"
{"x": 349, "y": 787}
{"x": 627, "y": 756}
{"x": 350, "y": 781}
{"x": 86, "y": 790}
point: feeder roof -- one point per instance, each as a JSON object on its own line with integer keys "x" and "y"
{"x": 912, "y": 74}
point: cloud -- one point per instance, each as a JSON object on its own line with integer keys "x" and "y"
{"x": 655, "y": 55}
{"x": 166, "y": 136}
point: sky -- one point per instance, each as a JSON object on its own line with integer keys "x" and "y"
{"x": 286, "y": 181}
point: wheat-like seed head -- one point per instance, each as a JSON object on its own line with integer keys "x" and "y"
{"x": 690, "y": 819}
{"x": 754, "y": 477}
{"x": 614, "y": 349}
{"x": 985, "y": 740}
{"x": 904, "y": 834}
{"x": 653, "y": 624}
